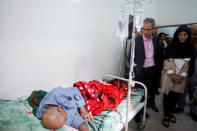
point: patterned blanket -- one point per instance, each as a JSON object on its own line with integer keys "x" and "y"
{"x": 17, "y": 116}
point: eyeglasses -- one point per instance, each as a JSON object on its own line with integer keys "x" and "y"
{"x": 146, "y": 29}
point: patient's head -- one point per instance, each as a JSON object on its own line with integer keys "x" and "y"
{"x": 54, "y": 117}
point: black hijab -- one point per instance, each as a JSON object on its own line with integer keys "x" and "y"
{"x": 180, "y": 50}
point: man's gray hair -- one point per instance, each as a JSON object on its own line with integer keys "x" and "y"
{"x": 149, "y": 20}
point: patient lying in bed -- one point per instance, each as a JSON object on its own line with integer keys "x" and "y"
{"x": 60, "y": 107}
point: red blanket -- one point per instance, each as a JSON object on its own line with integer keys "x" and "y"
{"x": 102, "y": 95}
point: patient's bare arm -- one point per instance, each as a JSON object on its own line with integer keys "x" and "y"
{"x": 82, "y": 127}
{"x": 85, "y": 115}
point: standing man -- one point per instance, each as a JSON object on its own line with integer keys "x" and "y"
{"x": 147, "y": 60}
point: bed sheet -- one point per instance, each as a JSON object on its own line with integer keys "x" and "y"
{"x": 17, "y": 115}
{"x": 107, "y": 120}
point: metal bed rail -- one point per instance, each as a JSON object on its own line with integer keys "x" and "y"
{"x": 132, "y": 83}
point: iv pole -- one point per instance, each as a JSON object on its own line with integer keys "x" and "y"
{"x": 131, "y": 83}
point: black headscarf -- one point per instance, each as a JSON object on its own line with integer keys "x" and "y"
{"x": 180, "y": 50}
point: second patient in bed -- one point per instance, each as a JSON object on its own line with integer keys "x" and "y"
{"x": 60, "y": 106}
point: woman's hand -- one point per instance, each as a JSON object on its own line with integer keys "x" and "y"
{"x": 175, "y": 78}
{"x": 85, "y": 115}
{"x": 179, "y": 79}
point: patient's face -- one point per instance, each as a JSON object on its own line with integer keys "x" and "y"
{"x": 51, "y": 122}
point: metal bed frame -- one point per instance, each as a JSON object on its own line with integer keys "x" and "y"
{"x": 130, "y": 115}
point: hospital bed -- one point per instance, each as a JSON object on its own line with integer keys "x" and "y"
{"x": 17, "y": 115}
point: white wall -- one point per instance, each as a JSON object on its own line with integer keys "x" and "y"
{"x": 172, "y": 12}
{"x": 149, "y": 8}
{"x": 49, "y": 43}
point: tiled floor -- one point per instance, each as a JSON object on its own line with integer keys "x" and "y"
{"x": 153, "y": 123}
